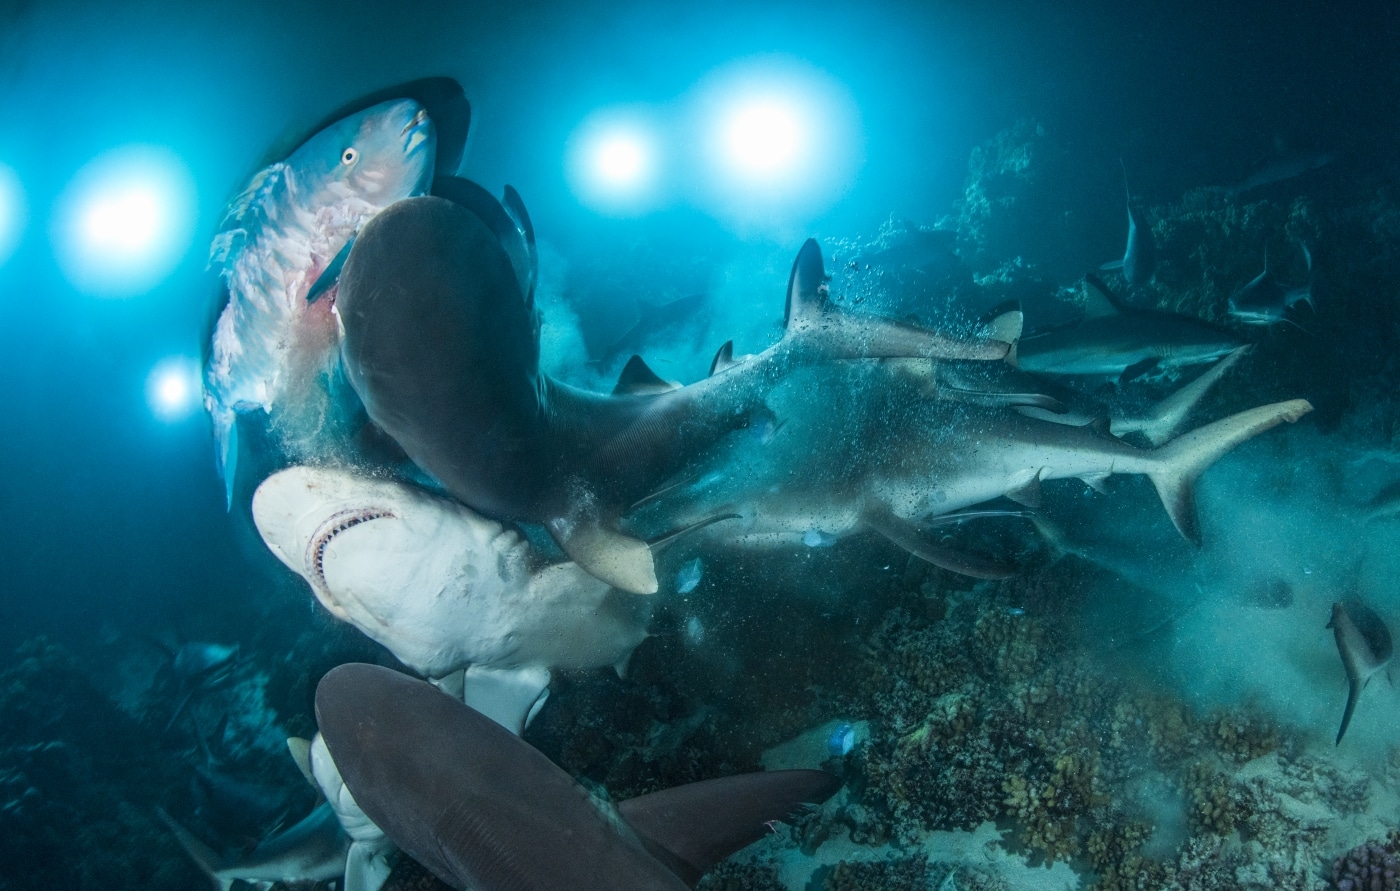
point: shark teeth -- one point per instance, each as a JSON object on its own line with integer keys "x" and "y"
{"x": 336, "y": 524}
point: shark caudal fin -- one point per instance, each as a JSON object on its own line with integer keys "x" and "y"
{"x": 812, "y": 319}
{"x": 1176, "y": 465}
{"x": 693, "y": 827}
{"x": 1165, "y": 419}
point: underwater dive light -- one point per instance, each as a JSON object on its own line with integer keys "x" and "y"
{"x": 12, "y": 212}
{"x": 613, "y": 162}
{"x": 762, "y": 137}
{"x": 125, "y": 221}
{"x": 173, "y": 388}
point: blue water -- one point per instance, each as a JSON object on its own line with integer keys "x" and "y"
{"x": 115, "y": 531}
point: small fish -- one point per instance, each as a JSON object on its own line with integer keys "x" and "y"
{"x": 1365, "y": 646}
{"x": 815, "y": 538}
{"x": 1014, "y": 611}
{"x": 689, "y": 576}
{"x": 1263, "y": 301}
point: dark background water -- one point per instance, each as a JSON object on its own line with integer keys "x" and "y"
{"x": 111, "y": 519}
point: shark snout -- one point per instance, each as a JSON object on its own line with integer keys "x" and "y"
{"x": 289, "y": 507}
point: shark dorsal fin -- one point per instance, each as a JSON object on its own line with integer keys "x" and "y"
{"x": 1099, "y": 301}
{"x": 691, "y": 828}
{"x": 1004, "y": 322}
{"x": 807, "y": 294}
{"x": 724, "y": 358}
{"x": 637, "y": 379}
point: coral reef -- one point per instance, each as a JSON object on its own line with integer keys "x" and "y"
{"x": 1372, "y": 866}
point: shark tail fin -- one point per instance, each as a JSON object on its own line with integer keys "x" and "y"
{"x": 693, "y": 827}
{"x": 1354, "y": 688}
{"x": 1175, "y": 466}
{"x": 1166, "y": 418}
{"x": 203, "y": 856}
{"x": 810, "y": 317}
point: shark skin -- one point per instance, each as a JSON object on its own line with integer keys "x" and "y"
{"x": 483, "y": 810}
{"x": 312, "y": 850}
{"x": 443, "y": 588}
{"x": 1113, "y": 337}
{"x": 904, "y": 461}
{"x": 1264, "y": 301}
{"x": 441, "y": 342}
{"x": 1365, "y": 646}
{"x": 1140, "y": 255}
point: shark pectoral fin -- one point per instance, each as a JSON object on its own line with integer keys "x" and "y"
{"x": 300, "y": 750}
{"x": 509, "y": 696}
{"x": 204, "y": 857}
{"x": 666, "y": 538}
{"x": 330, "y": 275}
{"x": 606, "y": 554}
{"x": 1005, "y": 400}
{"x": 918, "y": 542}
{"x": 693, "y": 827}
{"x": 1353, "y": 693}
{"x": 811, "y": 317}
{"x": 1111, "y": 265}
{"x": 1175, "y": 466}
{"x": 637, "y": 379}
{"x": 1138, "y": 369}
{"x": 367, "y": 867}
{"x": 453, "y": 683}
{"x": 1028, "y": 494}
{"x": 1096, "y": 482}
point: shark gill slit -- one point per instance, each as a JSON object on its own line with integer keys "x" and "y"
{"x": 338, "y": 523}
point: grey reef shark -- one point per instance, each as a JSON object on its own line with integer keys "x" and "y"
{"x": 1117, "y": 340}
{"x": 1140, "y": 256}
{"x": 904, "y": 464}
{"x": 483, "y": 810}
{"x": 1365, "y": 646}
{"x": 312, "y": 850}
{"x": 440, "y": 340}
{"x": 455, "y": 596}
{"x": 273, "y": 349}
{"x": 1263, "y": 300}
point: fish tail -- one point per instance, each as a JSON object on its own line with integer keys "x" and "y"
{"x": 1165, "y": 419}
{"x": 1353, "y": 693}
{"x": 1175, "y": 467}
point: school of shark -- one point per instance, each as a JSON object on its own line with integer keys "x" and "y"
{"x": 375, "y": 385}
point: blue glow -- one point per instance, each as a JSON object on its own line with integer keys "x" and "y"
{"x": 12, "y": 212}
{"x": 125, "y": 221}
{"x": 613, "y": 163}
{"x": 174, "y": 388}
{"x": 782, "y": 142}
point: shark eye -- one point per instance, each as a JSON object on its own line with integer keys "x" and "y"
{"x": 349, "y": 156}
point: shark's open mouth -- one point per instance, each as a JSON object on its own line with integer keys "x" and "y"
{"x": 338, "y": 523}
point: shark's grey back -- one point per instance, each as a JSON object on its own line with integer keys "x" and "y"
{"x": 467, "y": 799}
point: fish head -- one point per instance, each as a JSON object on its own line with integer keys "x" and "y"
{"x": 410, "y": 569}
{"x": 379, "y": 155}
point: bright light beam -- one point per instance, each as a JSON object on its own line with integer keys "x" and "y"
{"x": 12, "y": 212}
{"x": 612, "y": 165}
{"x": 125, "y": 221}
{"x": 763, "y": 137}
{"x": 173, "y": 388}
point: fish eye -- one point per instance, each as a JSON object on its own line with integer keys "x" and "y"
{"x": 349, "y": 156}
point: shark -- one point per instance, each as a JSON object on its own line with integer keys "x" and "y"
{"x": 903, "y": 464}
{"x": 440, "y": 340}
{"x": 1363, "y": 642}
{"x": 280, "y": 246}
{"x": 1264, "y": 301}
{"x": 1113, "y": 338}
{"x": 483, "y": 810}
{"x": 1140, "y": 256}
{"x": 311, "y": 850}
{"x": 455, "y": 596}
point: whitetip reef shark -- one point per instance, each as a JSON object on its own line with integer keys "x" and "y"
{"x": 453, "y": 595}
{"x": 441, "y": 342}
{"x": 282, "y": 242}
{"x": 1365, "y": 646}
{"x": 483, "y": 810}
